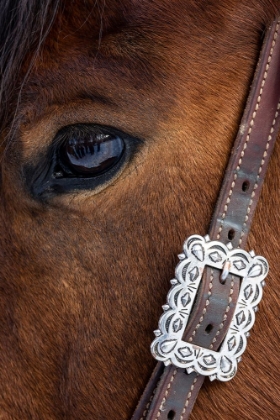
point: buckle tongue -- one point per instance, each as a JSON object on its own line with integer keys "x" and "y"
{"x": 168, "y": 345}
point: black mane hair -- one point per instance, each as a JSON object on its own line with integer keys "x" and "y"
{"x": 24, "y": 25}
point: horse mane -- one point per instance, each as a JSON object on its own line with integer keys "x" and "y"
{"x": 23, "y": 27}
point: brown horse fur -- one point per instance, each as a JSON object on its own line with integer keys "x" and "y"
{"x": 84, "y": 274}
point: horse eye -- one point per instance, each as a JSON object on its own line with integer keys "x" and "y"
{"x": 90, "y": 153}
{"x": 81, "y": 157}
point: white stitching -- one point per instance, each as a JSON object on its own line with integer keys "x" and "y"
{"x": 191, "y": 339}
{"x": 165, "y": 394}
{"x": 188, "y": 398}
{"x": 225, "y": 314}
{"x": 144, "y": 415}
{"x": 205, "y": 307}
{"x": 221, "y": 227}
{"x": 249, "y": 131}
{"x": 258, "y": 176}
{"x": 147, "y": 408}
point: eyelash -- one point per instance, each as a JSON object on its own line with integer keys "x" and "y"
{"x": 86, "y": 153}
{"x": 50, "y": 176}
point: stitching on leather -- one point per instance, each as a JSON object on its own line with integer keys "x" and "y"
{"x": 250, "y": 130}
{"x": 205, "y": 307}
{"x": 188, "y": 398}
{"x": 190, "y": 340}
{"x": 166, "y": 393}
{"x": 146, "y": 410}
{"x": 147, "y": 407}
{"x": 225, "y": 314}
{"x": 259, "y": 172}
{"x": 221, "y": 227}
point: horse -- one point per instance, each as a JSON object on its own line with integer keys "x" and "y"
{"x": 117, "y": 122}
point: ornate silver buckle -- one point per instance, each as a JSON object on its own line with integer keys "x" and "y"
{"x": 168, "y": 345}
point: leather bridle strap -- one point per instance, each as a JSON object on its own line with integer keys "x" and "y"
{"x": 171, "y": 392}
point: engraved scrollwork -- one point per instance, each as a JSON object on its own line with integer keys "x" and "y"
{"x": 168, "y": 345}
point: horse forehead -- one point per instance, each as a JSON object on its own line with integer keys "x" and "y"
{"x": 126, "y": 50}
{"x": 105, "y": 46}
{"x": 122, "y": 32}
{"x": 108, "y": 60}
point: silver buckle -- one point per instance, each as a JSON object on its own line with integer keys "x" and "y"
{"x": 168, "y": 345}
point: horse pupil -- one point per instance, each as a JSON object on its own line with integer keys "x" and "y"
{"x": 92, "y": 154}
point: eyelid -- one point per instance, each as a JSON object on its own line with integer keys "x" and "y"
{"x": 44, "y": 185}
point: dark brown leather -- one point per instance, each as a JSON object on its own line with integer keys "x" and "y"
{"x": 172, "y": 393}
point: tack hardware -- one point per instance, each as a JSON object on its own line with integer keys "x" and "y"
{"x": 168, "y": 345}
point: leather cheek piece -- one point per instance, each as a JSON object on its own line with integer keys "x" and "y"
{"x": 171, "y": 392}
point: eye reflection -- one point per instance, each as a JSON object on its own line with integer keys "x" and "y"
{"x": 90, "y": 154}
{"x": 82, "y": 156}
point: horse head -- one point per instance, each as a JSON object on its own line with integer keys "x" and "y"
{"x": 118, "y": 120}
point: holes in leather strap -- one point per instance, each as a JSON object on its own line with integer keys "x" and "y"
{"x": 231, "y": 234}
{"x": 171, "y": 415}
{"x": 245, "y": 186}
{"x": 209, "y": 328}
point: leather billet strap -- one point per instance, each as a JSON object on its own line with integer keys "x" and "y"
{"x": 172, "y": 392}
